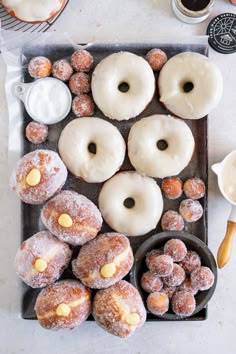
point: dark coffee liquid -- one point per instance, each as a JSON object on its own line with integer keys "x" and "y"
{"x": 195, "y": 5}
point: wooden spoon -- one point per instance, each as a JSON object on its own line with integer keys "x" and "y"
{"x": 225, "y": 249}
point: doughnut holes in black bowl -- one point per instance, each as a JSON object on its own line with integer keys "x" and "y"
{"x": 192, "y": 243}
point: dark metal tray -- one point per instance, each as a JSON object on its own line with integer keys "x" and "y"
{"x": 198, "y": 166}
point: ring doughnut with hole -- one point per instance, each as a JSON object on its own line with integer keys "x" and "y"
{"x": 190, "y": 85}
{"x": 160, "y": 146}
{"x": 139, "y": 217}
{"x": 92, "y": 149}
{"x": 123, "y": 84}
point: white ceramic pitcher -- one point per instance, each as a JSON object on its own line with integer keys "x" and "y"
{"x": 226, "y": 173}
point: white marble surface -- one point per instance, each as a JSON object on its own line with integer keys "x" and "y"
{"x": 133, "y": 19}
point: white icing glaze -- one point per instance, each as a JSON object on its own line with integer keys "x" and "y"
{"x": 114, "y": 70}
{"x": 36, "y": 10}
{"x": 142, "y": 146}
{"x": 145, "y": 214}
{"x": 207, "y": 81}
{"x": 49, "y": 101}
{"x": 110, "y": 149}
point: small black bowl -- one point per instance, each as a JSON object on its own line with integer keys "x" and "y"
{"x": 192, "y": 243}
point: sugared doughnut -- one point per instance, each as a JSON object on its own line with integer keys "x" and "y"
{"x": 158, "y": 303}
{"x": 190, "y": 85}
{"x": 188, "y": 286}
{"x": 39, "y": 67}
{"x": 152, "y": 255}
{"x": 79, "y": 83}
{"x": 160, "y": 145}
{"x": 36, "y": 133}
{"x": 172, "y": 221}
{"x": 103, "y": 261}
{"x": 183, "y": 303}
{"x": 82, "y": 60}
{"x": 130, "y": 203}
{"x": 172, "y": 187}
{"x": 176, "y": 277}
{"x": 151, "y": 282}
{"x": 62, "y": 70}
{"x": 134, "y": 73}
{"x": 191, "y": 261}
{"x": 191, "y": 210}
{"x": 161, "y": 265}
{"x": 194, "y": 188}
{"x": 83, "y": 106}
{"x": 168, "y": 290}
{"x": 176, "y": 249}
{"x": 38, "y": 175}
{"x": 202, "y": 278}
{"x": 41, "y": 259}
{"x": 156, "y": 58}
{"x": 92, "y": 149}
{"x": 72, "y": 217}
{"x": 119, "y": 309}
{"x": 63, "y": 305}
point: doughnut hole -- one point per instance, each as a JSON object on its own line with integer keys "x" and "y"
{"x": 168, "y": 290}
{"x": 82, "y": 60}
{"x": 176, "y": 249}
{"x": 161, "y": 265}
{"x": 79, "y": 83}
{"x": 191, "y": 210}
{"x": 183, "y": 303}
{"x": 152, "y": 254}
{"x": 187, "y": 286}
{"x": 190, "y": 262}
{"x": 194, "y": 188}
{"x": 151, "y": 282}
{"x": 202, "y": 278}
{"x": 172, "y": 187}
{"x": 172, "y": 221}
{"x": 83, "y": 106}
{"x": 176, "y": 277}
{"x": 36, "y": 133}
{"x": 158, "y": 303}
{"x": 156, "y": 58}
{"x": 39, "y": 67}
{"x": 62, "y": 70}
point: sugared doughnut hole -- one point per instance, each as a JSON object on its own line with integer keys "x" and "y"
{"x": 191, "y": 210}
{"x": 162, "y": 144}
{"x": 176, "y": 277}
{"x": 79, "y": 83}
{"x": 123, "y": 87}
{"x": 83, "y": 106}
{"x": 191, "y": 261}
{"x": 187, "y": 286}
{"x": 161, "y": 265}
{"x": 153, "y": 254}
{"x": 129, "y": 203}
{"x": 82, "y": 60}
{"x": 39, "y": 67}
{"x": 172, "y": 221}
{"x": 194, "y": 188}
{"x": 172, "y": 187}
{"x": 151, "y": 282}
{"x": 168, "y": 290}
{"x": 183, "y": 303}
{"x": 202, "y": 278}
{"x": 156, "y": 58}
{"x": 158, "y": 303}
{"x": 176, "y": 249}
{"x": 62, "y": 70}
{"x": 36, "y": 133}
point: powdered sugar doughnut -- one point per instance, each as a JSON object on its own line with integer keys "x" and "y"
{"x": 103, "y": 261}
{"x": 158, "y": 303}
{"x": 72, "y": 217}
{"x": 38, "y": 176}
{"x": 176, "y": 277}
{"x": 36, "y": 133}
{"x": 81, "y": 60}
{"x": 190, "y": 85}
{"x": 202, "y": 278}
{"x": 172, "y": 221}
{"x": 191, "y": 261}
{"x": 151, "y": 282}
{"x": 119, "y": 309}
{"x": 130, "y": 69}
{"x": 160, "y": 145}
{"x": 39, "y": 67}
{"x": 191, "y": 210}
{"x": 183, "y": 303}
{"x": 75, "y": 147}
{"x": 188, "y": 286}
{"x": 145, "y": 211}
{"x": 176, "y": 249}
{"x": 79, "y": 83}
{"x": 63, "y": 305}
{"x": 41, "y": 259}
{"x": 62, "y": 70}
{"x": 83, "y": 106}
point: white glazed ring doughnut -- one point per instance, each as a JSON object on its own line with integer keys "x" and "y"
{"x": 92, "y": 149}
{"x": 143, "y": 193}
{"x": 190, "y": 85}
{"x": 160, "y": 146}
{"x": 110, "y": 73}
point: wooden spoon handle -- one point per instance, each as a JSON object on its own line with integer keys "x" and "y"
{"x": 225, "y": 249}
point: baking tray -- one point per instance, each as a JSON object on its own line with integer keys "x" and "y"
{"x": 198, "y": 166}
